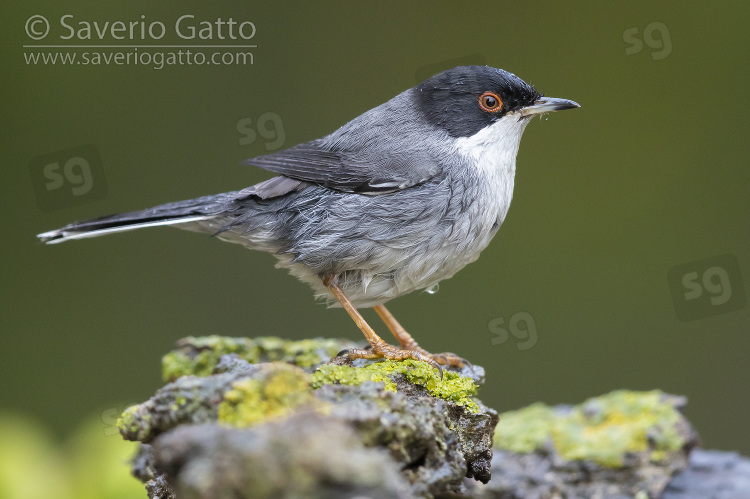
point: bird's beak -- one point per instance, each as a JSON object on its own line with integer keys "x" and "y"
{"x": 547, "y": 105}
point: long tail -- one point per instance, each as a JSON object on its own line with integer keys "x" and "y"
{"x": 180, "y": 212}
{"x": 186, "y": 212}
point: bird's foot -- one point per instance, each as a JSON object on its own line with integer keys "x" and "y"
{"x": 446, "y": 358}
{"x": 408, "y": 343}
{"x": 386, "y": 351}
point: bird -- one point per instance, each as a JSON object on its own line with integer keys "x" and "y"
{"x": 396, "y": 200}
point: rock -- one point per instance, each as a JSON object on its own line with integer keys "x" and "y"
{"x": 225, "y": 427}
{"x": 435, "y": 443}
{"x": 712, "y": 475}
{"x": 620, "y": 445}
{"x": 200, "y": 356}
{"x": 306, "y": 455}
{"x": 267, "y": 417}
{"x": 709, "y": 475}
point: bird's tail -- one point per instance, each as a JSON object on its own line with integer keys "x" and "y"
{"x": 180, "y": 212}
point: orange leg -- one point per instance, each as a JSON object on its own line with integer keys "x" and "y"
{"x": 408, "y": 343}
{"x": 380, "y": 349}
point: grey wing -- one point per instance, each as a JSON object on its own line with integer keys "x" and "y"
{"x": 368, "y": 170}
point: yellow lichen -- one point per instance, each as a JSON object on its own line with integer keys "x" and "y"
{"x": 602, "y": 429}
{"x": 452, "y": 387}
{"x": 524, "y": 430}
{"x": 273, "y": 395}
{"x": 198, "y": 356}
{"x": 126, "y": 423}
{"x": 204, "y": 354}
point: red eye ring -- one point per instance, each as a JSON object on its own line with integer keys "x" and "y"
{"x": 490, "y": 102}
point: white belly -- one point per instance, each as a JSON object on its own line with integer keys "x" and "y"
{"x": 392, "y": 274}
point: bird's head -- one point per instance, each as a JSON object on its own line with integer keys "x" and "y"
{"x": 467, "y": 99}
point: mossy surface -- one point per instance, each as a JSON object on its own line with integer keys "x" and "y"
{"x": 453, "y": 387}
{"x": 199, "y": 355}
{"x": 273, "y": 395}
{"x": 602, "y": 429}
{"x": 128, "y": 421}
{"x": 525, "y": 430}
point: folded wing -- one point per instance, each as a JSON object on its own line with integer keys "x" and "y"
{"x": 367, "y": 170}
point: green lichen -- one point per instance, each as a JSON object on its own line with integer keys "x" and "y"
{"x": 132, "y": 422}
{"x": 274, "y": 395}
{"x": 303, "y": 353}
{"x": 178, "y": 402}
{"x": 452, "y": 387}
{"x": 602, "y": 429}
{"x": 524, "y": 430}
{"x": 199, "y": 355}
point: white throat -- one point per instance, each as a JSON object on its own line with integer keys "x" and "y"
{"x": 491, "y": 152}
{"x": 493, "y": 149}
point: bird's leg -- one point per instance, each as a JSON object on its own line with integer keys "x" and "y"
{"x": 380, "y": 349}
{"x": 408, "y": 343}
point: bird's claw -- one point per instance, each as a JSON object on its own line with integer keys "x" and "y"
{"x": 449, "y": 359}
{"x": 391, "y": 353}
{"x": 432, "y": 362}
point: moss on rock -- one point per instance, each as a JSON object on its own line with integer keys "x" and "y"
{"x": 199, "y": 356}
{"x": 274, "y": 394}
{"x": 452, "y": 387}
{"x": 130, "y": 422}
{"x": 525, "y": 430}
{"x": 603, "y": 429}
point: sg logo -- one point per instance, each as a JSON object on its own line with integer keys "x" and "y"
{"x": 68, "y": 178}
{"x": 707, "y": 287}
{"x": 521, "y": 326}
{"x": 76, "y": 172}
{"x": 268, "y": 125}
{"x": 655, "y": 34}
{"x": 109, "y": 419}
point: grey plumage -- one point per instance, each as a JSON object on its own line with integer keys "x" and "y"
{"x": 391, "y": 202}
{"x": 355, "y": 159}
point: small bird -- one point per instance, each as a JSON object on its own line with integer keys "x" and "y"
{"x": 397, "y": 200}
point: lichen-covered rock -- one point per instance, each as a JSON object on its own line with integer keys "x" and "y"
{"x": 435, "y": 443}
{"x": 187, "y": 400}
{"x": 620, "y": 445}
{"x": 245, "y": 395}
{"x": 394, "y": 419}
{"x": 272, "y": 393}
{"x": 199, "y": 356}
{"x": 608, "y": 430}
{"x": 271, "y": 418}
{"x": 306, "y": 455}
{"x": 452, "y": 386}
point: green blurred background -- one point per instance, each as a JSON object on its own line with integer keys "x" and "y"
{"x": 650, "y": 174}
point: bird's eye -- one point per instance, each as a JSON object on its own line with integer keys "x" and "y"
{"x": 490, "y": 102}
